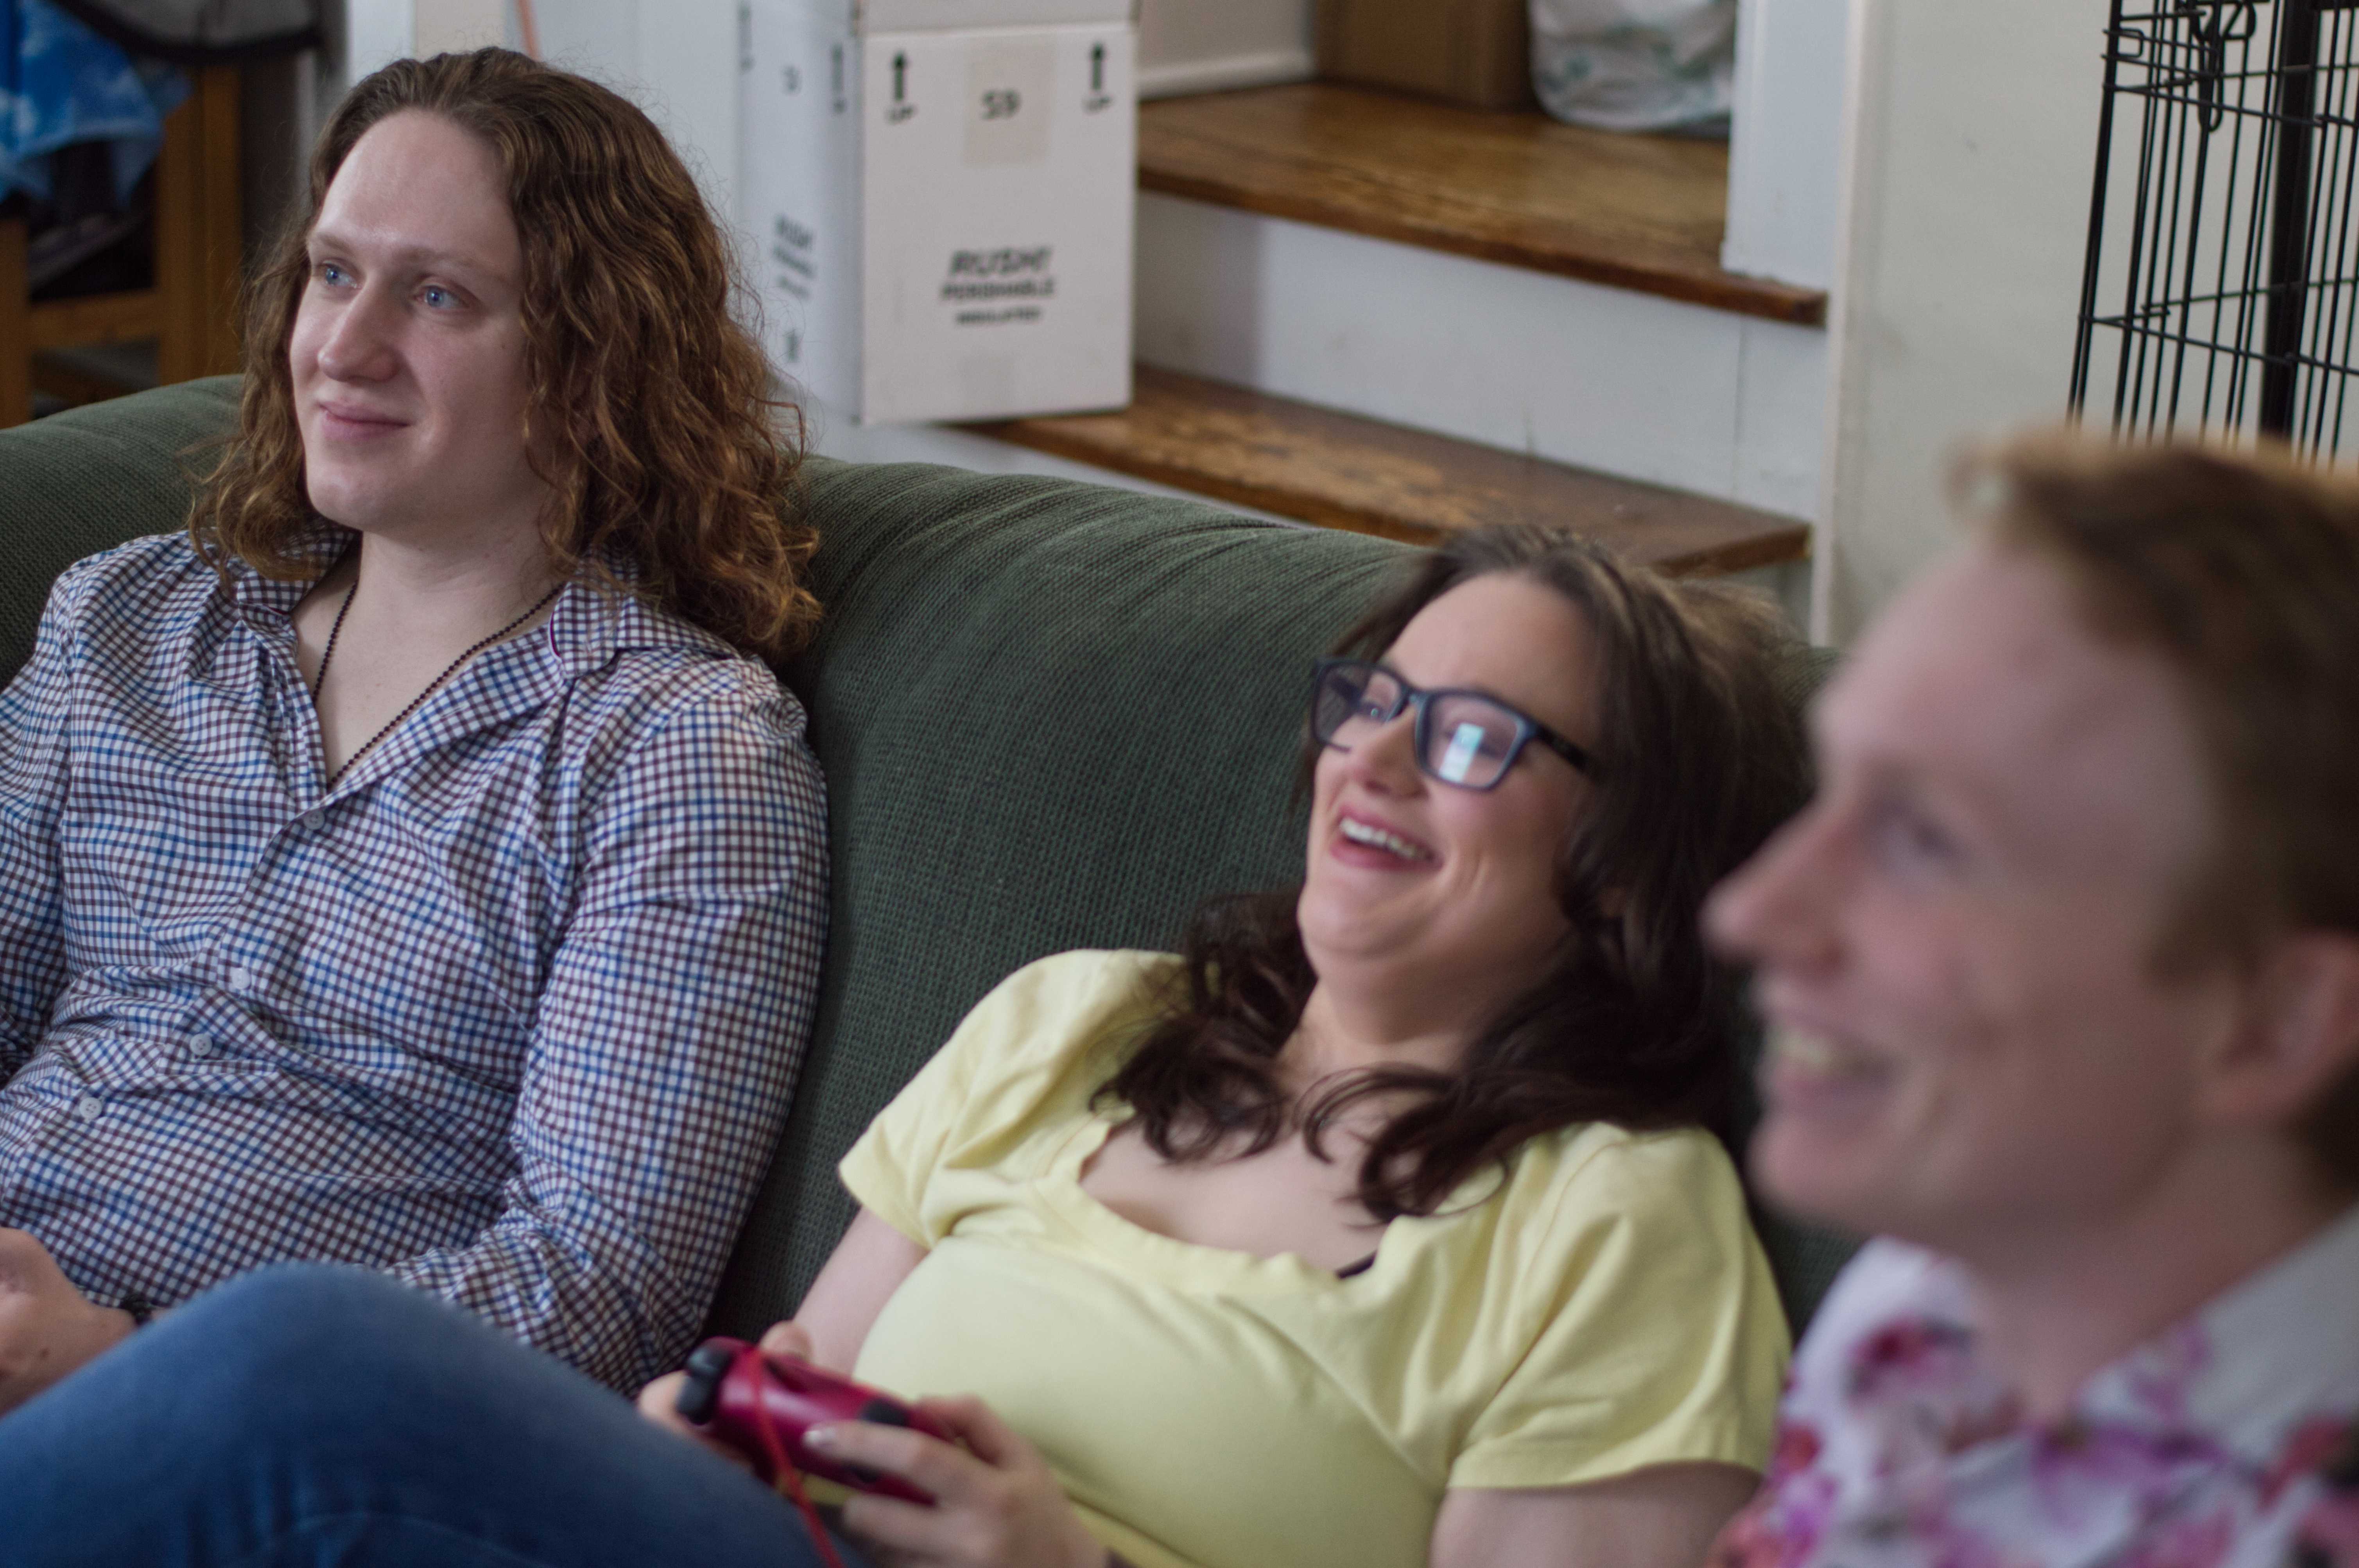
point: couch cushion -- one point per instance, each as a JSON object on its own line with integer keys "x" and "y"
{"x": 82, "y": 482}
{"x": 1051, "y": 715}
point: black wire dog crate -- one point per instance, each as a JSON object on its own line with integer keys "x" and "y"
{"x": 2219, "y": 292}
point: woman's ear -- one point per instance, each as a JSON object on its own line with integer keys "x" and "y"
{"x": 2302, "y": 1036}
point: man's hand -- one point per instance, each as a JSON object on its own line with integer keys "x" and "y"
{"x": 47, "y": 1328}
{"x": 659, "y": 1401}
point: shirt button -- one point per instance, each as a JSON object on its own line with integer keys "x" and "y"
{"x": 240, "y": 979}
{"x": 202, "y": 1044}
{"x": 89, "y": 1107}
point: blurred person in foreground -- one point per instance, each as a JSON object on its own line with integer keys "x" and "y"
{"x": 2062, "y": 972}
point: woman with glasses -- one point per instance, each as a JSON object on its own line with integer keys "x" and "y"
{"x": 1386, "y": 1224}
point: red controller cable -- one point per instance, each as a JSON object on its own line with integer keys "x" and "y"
{"x": 785, "y": 1475}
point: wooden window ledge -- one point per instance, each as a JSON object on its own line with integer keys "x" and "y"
{"x": 1341, "y": 470}
{"x": 1633, "y": 212}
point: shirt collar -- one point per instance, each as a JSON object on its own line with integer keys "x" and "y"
{"x": 2261, "y": 1352}
{"x": 593, "y": 622}
{"x": 319, "y": 546}
{"x": 264, "y": 606}
{"x": 589, "y": 623}
{"x": 2252, "y": 1355}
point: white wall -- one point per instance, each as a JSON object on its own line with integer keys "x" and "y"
{"x": 1785, "y": 154}
{"x": 1971, "y": 147}
{"x": 377, "y": 32}
{"x": 676, "y": 58}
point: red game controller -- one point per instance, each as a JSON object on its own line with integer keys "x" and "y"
{"x": 762, "y": 1405}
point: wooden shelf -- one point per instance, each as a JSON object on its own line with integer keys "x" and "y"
{"x": 1343, "y": 471}
{"x": 192, "y": 310}
{"x": 1639, "y": 212}
{"x": 96, "y": 319}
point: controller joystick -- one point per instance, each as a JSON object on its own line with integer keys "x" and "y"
{"x": 762, "y": 1405}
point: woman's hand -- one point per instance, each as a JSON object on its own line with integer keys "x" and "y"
{"x": 659, "y": 1401}
{"x": 996, "y": 1503}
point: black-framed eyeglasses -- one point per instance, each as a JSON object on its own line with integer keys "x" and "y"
{"x": 1464, "y": 738}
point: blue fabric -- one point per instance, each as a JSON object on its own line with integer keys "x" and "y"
{"x": 316, "y": 1415}
{"x": 61, "y": 83}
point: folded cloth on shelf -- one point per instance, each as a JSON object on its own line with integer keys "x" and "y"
{"x": 203, "y": 32}
{"x": 61, "y": 83}
{"x": 1636, "y": 65}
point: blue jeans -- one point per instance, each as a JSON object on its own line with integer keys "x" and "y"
{"x": 316, "y": 1415}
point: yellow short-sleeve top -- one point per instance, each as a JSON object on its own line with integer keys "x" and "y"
{"x": 1605, "y": 1307}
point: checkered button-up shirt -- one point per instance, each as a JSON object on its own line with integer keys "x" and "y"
{"x": 512, "y": 1010}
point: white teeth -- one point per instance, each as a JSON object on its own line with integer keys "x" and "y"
{"x": 1815, "y": 1054}
{"x": 1361, "y": 833}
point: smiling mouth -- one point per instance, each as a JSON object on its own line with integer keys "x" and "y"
{"x": 358, "y": 417}
{"x": 1378, "y": 839}
{"x": 1816, "y": 1057}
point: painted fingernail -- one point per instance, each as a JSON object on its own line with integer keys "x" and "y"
{"x": 821, "y": 1437}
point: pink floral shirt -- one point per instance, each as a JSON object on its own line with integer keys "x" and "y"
{"x": 2231, "y": 1441}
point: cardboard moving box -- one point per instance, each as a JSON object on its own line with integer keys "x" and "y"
{"x": 941, "y": 192}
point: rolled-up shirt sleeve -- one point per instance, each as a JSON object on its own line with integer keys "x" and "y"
{"x": 668, "y": 1035}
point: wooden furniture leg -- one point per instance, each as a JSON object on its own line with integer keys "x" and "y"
{"x": 16, "y": 327}
{"x": 198, "y": 218}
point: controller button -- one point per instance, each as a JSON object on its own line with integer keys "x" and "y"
{"x": 697, "y": 1399}
{"x": 883, "y": 1412}
{"x": 700, "y": 1392}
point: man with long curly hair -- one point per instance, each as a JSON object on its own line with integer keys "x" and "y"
{"x": 415, "y": 864}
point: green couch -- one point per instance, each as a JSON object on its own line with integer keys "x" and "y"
{"x": 1051, "y": 715}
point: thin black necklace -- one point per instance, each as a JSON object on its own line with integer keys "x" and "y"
{"x": 432, "y": 686}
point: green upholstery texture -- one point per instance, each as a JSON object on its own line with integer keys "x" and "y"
{"x": 78, "y": 483}
{"x": 1051, "y": 715}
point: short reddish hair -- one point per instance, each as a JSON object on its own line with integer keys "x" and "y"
{"x": 650, "y": 415}
{"x": 2241, "y": 571}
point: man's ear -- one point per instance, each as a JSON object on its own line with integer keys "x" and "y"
{"x": 2302, "y": 1036}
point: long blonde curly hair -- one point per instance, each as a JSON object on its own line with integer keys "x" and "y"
{"x": 649, "y": 414}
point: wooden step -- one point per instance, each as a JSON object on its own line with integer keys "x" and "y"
{"x": 1634, "y": 212}
{"x": 1343, "y": 471}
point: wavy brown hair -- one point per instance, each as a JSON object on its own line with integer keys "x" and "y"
{"x": 649, "y": 416}
{"x": 1699, "y": 756}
